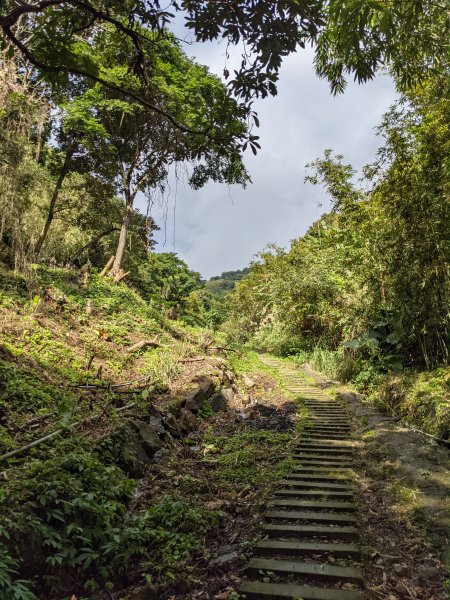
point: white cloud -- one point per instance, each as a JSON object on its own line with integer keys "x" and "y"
{"x": 219, "y": 228}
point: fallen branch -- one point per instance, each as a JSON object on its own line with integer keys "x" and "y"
{"x": 108, "y": 386}
{"x": 189, "y": 360}
{"x": 221, "y": 348}
{"x": 144, "y": 344}
{"x": 58, "y": 432}
{"x": 121, "y": 274}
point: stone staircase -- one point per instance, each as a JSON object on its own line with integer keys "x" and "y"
{"x": 308, "y": 549}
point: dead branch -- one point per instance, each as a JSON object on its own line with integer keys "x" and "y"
{"x": 144, "y": 344}
{"x": 108, "y": 386}
{"x": 58, "y": 432}
{"x": 121, "y": 274}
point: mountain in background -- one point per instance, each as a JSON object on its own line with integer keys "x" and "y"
{"x": 221, "y": 284}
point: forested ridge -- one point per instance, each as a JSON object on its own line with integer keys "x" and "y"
{"x": 140, "y": 432}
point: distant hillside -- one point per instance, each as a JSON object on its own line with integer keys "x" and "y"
{"x": 221, "y": 284}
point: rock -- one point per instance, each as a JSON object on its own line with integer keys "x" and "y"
{"x": 389, "y": 558}
{"x": 228, "y": 394}
{"x": 143, "y": 593}
{"x": 349, "y": 396}
{"x": 171, "y": 424}
{"x": 400, "y": 569}
{"x": 249, "y": 383}
{"x": 149, "y": 437}
{"x": 156, "y": 424}
{"x": 195, "y": 399}
{"x": 219, "y": 402}
{"x": 225, "y": 549}
{"x": 427, "y": 574}
{"x": 224, "y": 558}
{"x": 187, "y": 421}
{"x": 229, "y": 376}
{"x": 162, "y": 456}
{"x": 134, "y": 455}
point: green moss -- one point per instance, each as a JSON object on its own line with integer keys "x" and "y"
{"x": 257, "y": 457}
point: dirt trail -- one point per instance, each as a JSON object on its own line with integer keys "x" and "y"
{"x": 319, "y": 544}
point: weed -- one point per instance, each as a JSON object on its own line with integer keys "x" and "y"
{"x": 257, "y": 457}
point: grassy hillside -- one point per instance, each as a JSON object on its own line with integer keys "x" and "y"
{"x": 91, "y": 510}
{"x": 65, "y": 365}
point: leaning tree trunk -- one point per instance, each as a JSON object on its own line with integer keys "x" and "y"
{"x": 129, "y": 199}
{"x": 92, "y": 243}
{"x": 51, "y": 210}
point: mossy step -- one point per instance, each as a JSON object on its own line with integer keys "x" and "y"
{"x": 315, "y": 504}
{"x": 317, "y": 571}
{"x": 313, "y": 517}
{"x": 321, "y": 485}
{"x": 307, "y": 548}
{"x": 299, "y": 493}
{"x": 305, "y": 531}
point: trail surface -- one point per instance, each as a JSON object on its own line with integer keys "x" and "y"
{"x": 311, "y": 549}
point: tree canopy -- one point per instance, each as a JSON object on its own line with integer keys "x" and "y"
{"x": 351, "y": 38}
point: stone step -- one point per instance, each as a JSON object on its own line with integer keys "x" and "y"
{"x": 265, "y": 547}
{"x": 333, "y": 426}
{"x": 322, "y": 463}
{"x": 329, "y": 456}
{"x": 256, "y": 590}
{"x": 314, "y": 504}
{"x": 321, "y": 485}
{"x": 312, "y": 517}
{"x": 317, "y": 420}
{"x": 330, "y": 470}
{"x": 323, "y": 449}
{"x": 319, "y": 477}
{"x": 317, "y": 571}
{"x": 321, "y": 436}
{"x": 306, "y": 531}
{"x": 298, "y": 493}
{"x": 331, "y": 443}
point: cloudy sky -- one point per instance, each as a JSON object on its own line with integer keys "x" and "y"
{"x": 220, "y": 228}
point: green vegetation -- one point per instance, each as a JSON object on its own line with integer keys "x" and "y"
{"x": 221, "y": 284}
{"x": 98, "y": 102}
{"x": 255, "y": 457}
{"x": 365, "y": 293}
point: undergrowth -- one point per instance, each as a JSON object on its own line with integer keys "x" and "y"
{"x": 253, "y": 457}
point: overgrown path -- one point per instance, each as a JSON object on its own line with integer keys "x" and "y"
{"x": 310, "y": 549}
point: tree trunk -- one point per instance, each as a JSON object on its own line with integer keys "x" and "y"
{"x": 129, "y": 199}
{"x": 51, "y": 210}
{"x": 92, "y": 243}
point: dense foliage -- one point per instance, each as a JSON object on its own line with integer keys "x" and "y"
{"x": 370, "y": 279}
